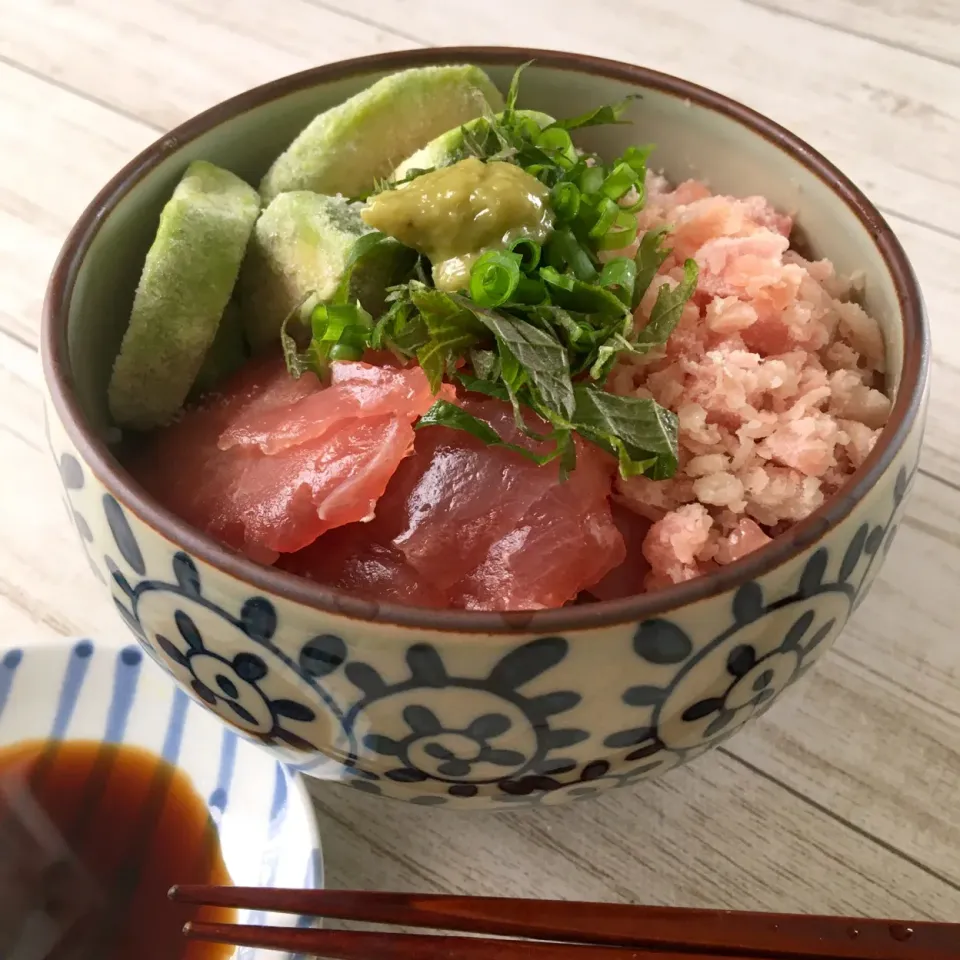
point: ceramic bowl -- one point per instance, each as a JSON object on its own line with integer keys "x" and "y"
{"x": 479, "y": 710}
{"x": 85, "y": 690}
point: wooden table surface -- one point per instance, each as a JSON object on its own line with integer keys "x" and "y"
{"x": 844, "y": 798}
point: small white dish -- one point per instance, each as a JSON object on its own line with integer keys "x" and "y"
{"x": 80, "y": 689}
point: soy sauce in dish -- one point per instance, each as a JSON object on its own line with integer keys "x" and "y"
{"x": 92, "y": 836}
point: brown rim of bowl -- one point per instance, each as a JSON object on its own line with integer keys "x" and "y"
{"x": 605, "y": 613}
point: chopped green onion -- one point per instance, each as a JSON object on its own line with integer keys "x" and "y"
{"x": 558, "y": 141}
{"x": 637, "y": 158}
{"x": 530, "y": 291}
{"x": 565, "y": 201}
{"x": 639, "y": 203}
{"x": 494, "y": 277}
{"x": 548, "y": 174}
{"x": 553, "y": 253}
{"x": 528, "y": 250}
{"x": 573, "y": 294}
{"x": 619, "y": 181}
{"x": 607, "y": 211}
{"x": 618, "y": 239}
{"x": 570, "y": 254}
{"x": 621, "y": 234}
{"x": 345, "y": 351}
{"x": 591, "y": 179}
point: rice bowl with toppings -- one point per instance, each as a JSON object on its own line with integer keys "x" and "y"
{"x": 460, "y": 574}
{"x": 505, "y": 350}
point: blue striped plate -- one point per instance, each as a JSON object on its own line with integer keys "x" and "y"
{"x": 78, "y": 689}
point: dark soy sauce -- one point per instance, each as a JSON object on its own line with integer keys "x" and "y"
{"x": 92, "y": 836}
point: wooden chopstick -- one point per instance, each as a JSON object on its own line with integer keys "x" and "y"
{"x": 686, "y": 932}
{"x": 362, "y": 945}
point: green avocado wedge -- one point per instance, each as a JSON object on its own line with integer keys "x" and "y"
{"x": 187, "y": 280}
{"x": 349, "y": 147}
{"x": 226, "y": 355}
{"x": 299, "y": 250}
{"x": 450, "y": 146}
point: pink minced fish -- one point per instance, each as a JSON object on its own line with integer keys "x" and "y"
{"x": 775, "y": 375}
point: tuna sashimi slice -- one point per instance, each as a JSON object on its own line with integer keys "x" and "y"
{"x": 627, "y": 578}
{"x": 269, "y": 504}
{"x": 468, "y": 526}
{"x": 285, "y": 502}
{"x": 355, "y": 390}
{"x": 467, "y": 496}
{"x": 257, "y": 388}
{"x": 566, "y": 542}
{"x": 352, "y": 559}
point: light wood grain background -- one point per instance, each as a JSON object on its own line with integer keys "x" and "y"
{"x": 844, "y": 798}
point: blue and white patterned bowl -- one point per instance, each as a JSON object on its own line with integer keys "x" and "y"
{"x": 81, "y": 690}
{"x": 479, "y": 710}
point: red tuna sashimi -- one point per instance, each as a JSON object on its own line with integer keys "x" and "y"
{"x": 265, "y": 504}
{"x": 360, "y": 560}
{"x": 469, "y": 526}
{"x": 565, "y": 542}
{"x": 356, "y": 390}
{"x": 626, "y": 579}
{"x": 468, "y": 496}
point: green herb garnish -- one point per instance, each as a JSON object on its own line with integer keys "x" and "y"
{"x": 641, "y": 433}
{"x": 307, "y": 361}
{"x": 446, "y": 414}
{"x": 601, "y": 115}
{"x": 451, "y": 331}
{"x": 539, "y": 325}
{"x": 650, "y": 257}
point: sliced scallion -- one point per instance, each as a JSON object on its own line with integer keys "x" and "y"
{"x": 494, "y": 278}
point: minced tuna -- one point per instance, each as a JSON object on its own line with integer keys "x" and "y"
{"x": 775, "y": 373}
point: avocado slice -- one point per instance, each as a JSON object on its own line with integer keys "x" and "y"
{"x": 300, "y": 246}
{"x": 349, "y": 147}
{"x": 226, "y": 355}
{"x": 187, "y": 280}
{"x": 448, "y": 148}
{"x": 309, "y": 249}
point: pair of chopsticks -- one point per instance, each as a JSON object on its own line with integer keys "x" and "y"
{"x": 558, "y": 930}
